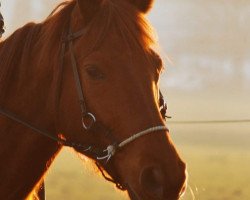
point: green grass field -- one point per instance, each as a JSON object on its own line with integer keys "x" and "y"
{"x": 218, "y": 160}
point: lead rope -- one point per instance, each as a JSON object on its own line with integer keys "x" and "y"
{"x": 112, "y": 180}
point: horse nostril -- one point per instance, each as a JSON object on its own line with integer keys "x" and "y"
{"x": 152, "y": 181}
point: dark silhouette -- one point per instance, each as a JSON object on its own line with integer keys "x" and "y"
{"x": 1, "y": 24}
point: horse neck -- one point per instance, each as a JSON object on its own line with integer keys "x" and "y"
{"x": 27, "y": 84}
{"x": 27, "y": 80}
{"x": 25, "y": 158}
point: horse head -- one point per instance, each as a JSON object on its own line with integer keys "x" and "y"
{"x": 118, "y": 73}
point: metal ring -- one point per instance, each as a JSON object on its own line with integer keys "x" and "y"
{"x": 93, "y": 120}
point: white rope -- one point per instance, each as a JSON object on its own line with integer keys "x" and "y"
{"x": 111, "y": 149}
{"x": 145, "y": 132}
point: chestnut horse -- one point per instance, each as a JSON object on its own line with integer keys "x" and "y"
{"x": 87, "y": 78}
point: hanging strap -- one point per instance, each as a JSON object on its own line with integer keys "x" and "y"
{"x": 30, "y": 126}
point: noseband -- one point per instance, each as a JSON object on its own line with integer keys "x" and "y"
{"x": 89, "y": 121}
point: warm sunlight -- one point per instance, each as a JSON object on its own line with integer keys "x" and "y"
{"x": 205, "y": 46}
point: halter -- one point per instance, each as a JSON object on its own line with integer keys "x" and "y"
{"x": 89, "y": 121}
{"x": 112, "y": 148}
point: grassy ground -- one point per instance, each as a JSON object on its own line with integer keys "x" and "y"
{"x": 218, "y": 159}
{"x": 218, "y": 174}
{"x": 73, "y": 179}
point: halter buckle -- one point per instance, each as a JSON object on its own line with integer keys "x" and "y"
{"x": 88, "y": 120}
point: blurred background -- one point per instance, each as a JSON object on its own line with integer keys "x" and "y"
{"x": 206, "y": 48}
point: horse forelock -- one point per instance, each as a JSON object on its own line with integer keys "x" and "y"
{"x": 131, "y": 25}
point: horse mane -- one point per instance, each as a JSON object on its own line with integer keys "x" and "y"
{"x": 18, "y": 47}
{"x": 13, "y": 48}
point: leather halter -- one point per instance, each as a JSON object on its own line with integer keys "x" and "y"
{"x": 102, "y": 156}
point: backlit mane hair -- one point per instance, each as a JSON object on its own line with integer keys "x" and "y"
{"x": 17, "y": 48}
{"x": 116, "y": 15}
{"x": 127, "y": 21}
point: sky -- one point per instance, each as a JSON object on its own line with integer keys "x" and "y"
{"x": 205, "y": 45}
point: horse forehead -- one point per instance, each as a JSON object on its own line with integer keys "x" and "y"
{"x": 128, "y": 63}
{"x": 119, "y": 47}
{"x": 127, "y": 56}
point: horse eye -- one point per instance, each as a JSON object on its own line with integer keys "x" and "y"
{"x": 94, "y": 72}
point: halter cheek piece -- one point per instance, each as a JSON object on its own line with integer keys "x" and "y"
{"x": 86, "y": 116}
{"x": 89, "y": 121}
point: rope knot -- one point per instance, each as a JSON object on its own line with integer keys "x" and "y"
{"x": 111, "y": 150}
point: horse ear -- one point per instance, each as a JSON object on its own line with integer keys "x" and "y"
{"x": 89, "y": 8}
{"x": 143, "y": 5}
